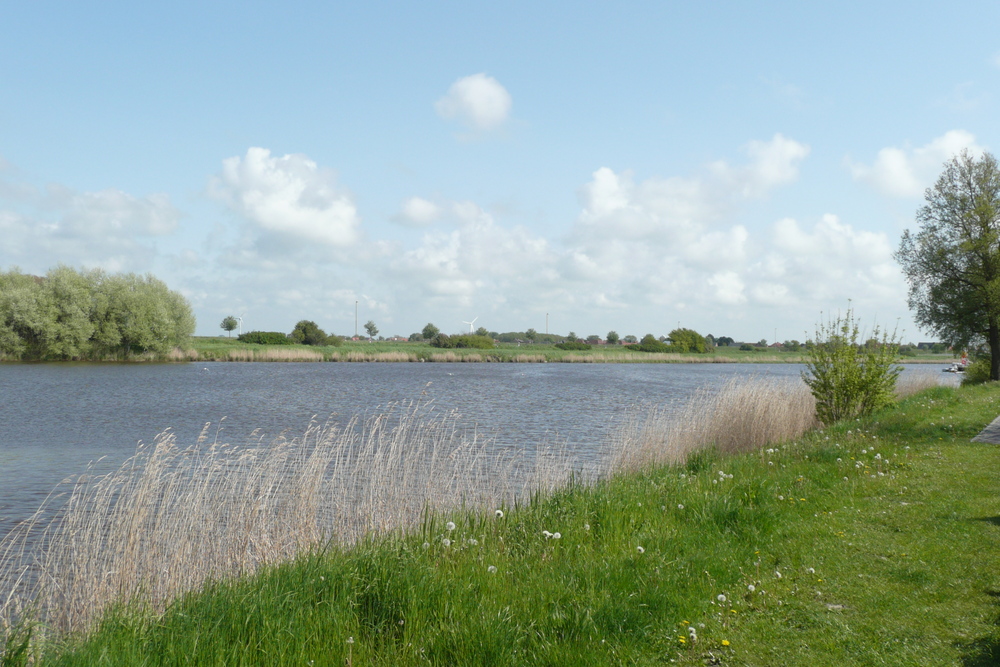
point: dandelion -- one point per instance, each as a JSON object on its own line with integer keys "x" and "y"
{"x": 641, "y": 550}
{"x": 725, "y": 642}
{"x": 720, "y": 597}
{"x": 781, "y": 497}
{"x": 751, "y": 588}
{"x": 586, "y": 526}
{"x": 556, "y": 536}
{"x": 777, "y": 574}
{"x": 811, "y": 571}
{"x": 492, "y": 569}
{"x": 427, "y": 545}
{"x": 350, "y": 640}
{"x": 474, "y": 542}
{"x": 449, "y": 526}
{"x": 446, "y": 542}
{"x": 680, "y": 506}
{"x": 499, "y": 514}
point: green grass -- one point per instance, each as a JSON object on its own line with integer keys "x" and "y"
{"x": 220, "y": 349}
{"x": 869, "y": 543}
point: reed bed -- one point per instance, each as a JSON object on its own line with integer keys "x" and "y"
{"x": 273, "y": 354}
{"x": 375, "y": 356}
{"x": 744, "y": 415}
{"x": 916, "y": 382}
{"x": 173, "y": 517}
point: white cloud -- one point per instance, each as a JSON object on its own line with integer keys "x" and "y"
{"x": 290, "y": 197}
{"x": 479, "y": 101}
{"x": 906, "y": 171}
{"x": 419, "y": 212}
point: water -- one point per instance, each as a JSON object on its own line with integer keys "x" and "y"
{"x": 56, "y": 418}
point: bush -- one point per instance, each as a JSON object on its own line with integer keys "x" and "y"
{"x": 978, "y": 372}
{"x": 465, "y": 341}
{"x": 847, "y": 378}
{"x": 264, "y": 338}
{"x": 650, "y": 344}
{"x": 573, "y": 345}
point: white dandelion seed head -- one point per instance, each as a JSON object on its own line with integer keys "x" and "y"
{"x": 427, "y": 545}
{"x": 449, "y": 526}
{"x": 492, "y": 569}
{"x": 556, "y": 536}
{"x": 640, "y": 550}
{"x": 751, "y": 588}
{"x": 446, "y": 542}
{"x": 586, "y": 526}
{"x": 547, "y": 534}
{"x": 811, "y": 571}
{"x": 720, "y": 597}
{"x": 680, "y": 506}
{"x": 499, "y": 514}
{"x": 781, "y": 497}
{"x": 474, "y": 542}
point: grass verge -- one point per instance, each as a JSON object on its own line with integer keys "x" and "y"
{"x": 868, "y": 543}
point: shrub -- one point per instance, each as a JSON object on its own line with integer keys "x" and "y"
{"x": 650, "y": 344}
{"x": 465, "y": 341}
{"x": 978, "y": 372}
{"x": 847, "y": 378}
{"x": 264, "y": 338}
{"x": 573, "y": 345}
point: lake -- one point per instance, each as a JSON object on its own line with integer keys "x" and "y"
{"x": 56, "y": 418}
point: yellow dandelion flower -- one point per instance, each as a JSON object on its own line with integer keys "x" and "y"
{"x": 725, "y": 642}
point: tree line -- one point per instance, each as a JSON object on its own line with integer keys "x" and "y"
{"x": 69, "y": 314}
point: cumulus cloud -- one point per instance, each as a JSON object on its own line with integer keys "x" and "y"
{"x": 418, "y": 211}
{"x": 56, "y": 224}
{"x": 479, "y": 101}
{"x": 907, "y": 171}
{"x": 290, "y": 197}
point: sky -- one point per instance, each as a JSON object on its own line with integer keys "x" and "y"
{"x": 741, "y": 169}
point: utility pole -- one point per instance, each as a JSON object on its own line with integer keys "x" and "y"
{"x": 546, "y": 324}
{"x": 355, "y": 318}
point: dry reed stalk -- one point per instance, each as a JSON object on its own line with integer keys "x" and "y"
{"x": 916, "y": 382}
{"x": 172, "y": 517}
{"x": 742, "y": 416}
{"x": 529, "y": 359}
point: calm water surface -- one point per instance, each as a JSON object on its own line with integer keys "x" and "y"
{"x": 56, "y": 418}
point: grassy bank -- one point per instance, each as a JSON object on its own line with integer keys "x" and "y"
{"x": 228, "y": 349}
{"x": 869, "y": 543}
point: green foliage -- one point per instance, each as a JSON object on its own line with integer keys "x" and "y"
{"x": 850, "y": 379}
{"x": 574, "y": 345}
{"x": 612, "y": 338}
{"x": 475, "y": 341}
{"x": 229, "y": 324}
{"x": 371, "y": 328}
{"x": 265, "y": 338}
{"x": 429, "y": 331}
{"x": 72, "y": 314}
{"x": 307, "y": 332}
{"x": 952, "y": 264}
{"x": 649, "y": 343}
{"x": 531, "y": 335}
{"x": 978, "y": 372}
{"x": 687, "y": 340}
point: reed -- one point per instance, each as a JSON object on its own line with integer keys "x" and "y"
{"x": 744, "y": 415}
{"x": 173, "y": 517}
{"x": 916, "y": 382}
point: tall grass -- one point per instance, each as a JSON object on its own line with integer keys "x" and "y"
{"x": 742, "y": 416}
{"x": 173, "y": 517}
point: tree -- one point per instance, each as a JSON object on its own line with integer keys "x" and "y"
{"x": 630, "y": 339}
{"x": 612, "y": 338}
{"x": 483, "y": 331}
{"x": 229, "y": 323}
{"x": 307, "y": 332}
{"x": 371, "y": 329}
{"x": 571, "y": 337}
{"x": 429, "y": 331}
{"x": 531, "y": 335}
{"x": 688, "y": 340}
{"x": 848, "y": 378}
{"x": 952, "y": 264}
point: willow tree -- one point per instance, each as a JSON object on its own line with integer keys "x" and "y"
{"x": 952, "y": 264}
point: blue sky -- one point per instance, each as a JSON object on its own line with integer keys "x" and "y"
{"x": 730, "y": 168}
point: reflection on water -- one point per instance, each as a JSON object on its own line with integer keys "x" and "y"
{"x": 56, "y": 418}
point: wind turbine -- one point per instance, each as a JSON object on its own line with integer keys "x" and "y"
{"x": 240, "y": 320}
{"x": 471, "y": 323}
